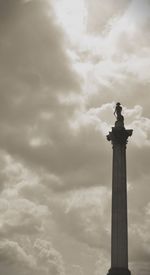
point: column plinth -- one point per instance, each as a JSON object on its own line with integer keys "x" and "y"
{"x": 119, "y": 271}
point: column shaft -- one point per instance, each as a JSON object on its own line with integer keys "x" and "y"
{"x": 119, "y": 237}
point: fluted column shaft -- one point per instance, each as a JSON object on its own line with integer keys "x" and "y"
{"x": 119, "y": 237}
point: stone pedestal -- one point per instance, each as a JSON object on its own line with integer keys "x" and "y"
{"x": 119, "y": 271}
{"x": 119, "y": 225}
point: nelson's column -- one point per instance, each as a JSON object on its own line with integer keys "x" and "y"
{"x": 119, "y": 225}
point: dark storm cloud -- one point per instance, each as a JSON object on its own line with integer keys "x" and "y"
{"x": 33, "y": 60}
{"x": 35, "y": 70}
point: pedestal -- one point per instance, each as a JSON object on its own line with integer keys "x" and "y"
{"x": 119, "y": 271}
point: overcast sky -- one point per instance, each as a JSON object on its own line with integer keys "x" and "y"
{"x": 63, "y": 66}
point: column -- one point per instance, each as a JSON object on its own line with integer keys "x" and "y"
{"x": 119, "y": 222}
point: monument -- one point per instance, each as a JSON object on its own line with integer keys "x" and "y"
{"x": 119, "y": 223}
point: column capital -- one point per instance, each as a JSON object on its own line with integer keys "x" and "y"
{"x": 119, "y": 135}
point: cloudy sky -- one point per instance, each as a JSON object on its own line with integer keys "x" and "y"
{"x": 63, "y": 66}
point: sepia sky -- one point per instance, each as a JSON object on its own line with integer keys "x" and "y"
{"x": 63, "y": 66}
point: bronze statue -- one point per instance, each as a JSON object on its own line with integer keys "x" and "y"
{"x": 118, "y": 115}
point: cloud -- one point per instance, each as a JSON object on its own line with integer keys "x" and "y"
{"x": 20, "y": 216}
{"x": 49, "y": 258}
{"x": 42, "y": 258}
{"x": 81, "y": 215}
{"x": 34, "y": 68}
{"x": 16, "y": 258}
{"x": 102, "y": 264}
{"x": 100, "y": 15}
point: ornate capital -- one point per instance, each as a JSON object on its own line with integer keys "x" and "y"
{"x": 119, "y": 136}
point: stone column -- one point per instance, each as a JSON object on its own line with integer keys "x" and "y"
{"x": 119, "y": 225}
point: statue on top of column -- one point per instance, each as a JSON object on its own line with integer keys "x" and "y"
{"x": 120, "y": 119}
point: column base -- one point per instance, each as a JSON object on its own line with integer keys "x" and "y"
{"x": 119, "y": 271}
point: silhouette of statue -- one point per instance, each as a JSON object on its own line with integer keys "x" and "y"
{"x": 119, "y": 116}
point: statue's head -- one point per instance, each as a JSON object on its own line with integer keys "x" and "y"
{"x": 118, "y": 104}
